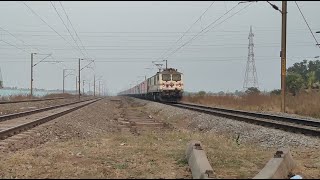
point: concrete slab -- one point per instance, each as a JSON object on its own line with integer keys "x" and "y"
{"x": 278, "y": 167}
{"x": 198, "y": 162}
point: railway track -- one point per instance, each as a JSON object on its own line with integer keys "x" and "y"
{"x": 296, "y": 125}
{"x": 30, "y": 100}
{"x": 15, "y": 123}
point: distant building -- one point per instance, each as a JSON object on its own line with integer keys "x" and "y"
{"x": 1, "y": 81}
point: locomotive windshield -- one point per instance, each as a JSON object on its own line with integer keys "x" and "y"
{"x": 176, "y": 77}
{"x": 166, "y": 77}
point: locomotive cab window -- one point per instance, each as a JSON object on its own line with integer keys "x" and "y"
{"x": 166, "y": 77}
{"x": 176, "y": 77}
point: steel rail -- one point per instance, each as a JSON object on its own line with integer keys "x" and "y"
{"x": 5, "y": 133}
{"x": 26, "y": 113}
{"x": 291, "y": 124}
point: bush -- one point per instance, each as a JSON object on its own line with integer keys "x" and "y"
{"x": 276, "y": 92}
{"x": 252, "y": 90}
{"x": 201, "y": 93}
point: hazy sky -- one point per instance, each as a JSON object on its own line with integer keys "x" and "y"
{"x": 125, "y": 37}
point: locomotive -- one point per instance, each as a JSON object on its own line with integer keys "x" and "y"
{"x": 164, "y": 86}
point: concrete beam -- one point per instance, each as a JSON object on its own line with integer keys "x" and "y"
{"x": 198, "y": 162}
{"x": 278, "y": 167}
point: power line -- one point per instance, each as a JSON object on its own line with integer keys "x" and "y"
{"x": 14, "y": 46}
{"x": 186, "y": 31}
{"x": 228, "y": 17}
{"x": 207, "y": 28}
{"x": 45, "y": 23}
{"x": 66, "y": 27}
{"x": 17, "y": 38}
{"x": 148, "y": 61}
{"x": 229, "y": 33}
{"x": 72, "y": 26}
{"x": 200, "y": 32}
{"x": 307, "y": 24}
{"x": 196, "y": 45}
{"x": 159, "y": 32}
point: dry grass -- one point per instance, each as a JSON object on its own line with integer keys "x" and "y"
{"x": 17, "y": 97}
{"x": 65, "y": 95}
{"x": 27, "y": 96}
{"x": 158, "y": 154}
{"x": 307, "y": 103}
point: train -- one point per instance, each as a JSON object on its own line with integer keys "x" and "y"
{"x": 165, "y": 86}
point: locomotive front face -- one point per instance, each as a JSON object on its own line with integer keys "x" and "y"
{"x": 171, "y": 82}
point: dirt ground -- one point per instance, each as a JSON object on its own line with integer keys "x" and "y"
{"x": 91, "y": 143}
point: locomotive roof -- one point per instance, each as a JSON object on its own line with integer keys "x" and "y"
{"x": 169, "y": 71}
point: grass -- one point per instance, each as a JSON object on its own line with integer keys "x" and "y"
{"x": 306, "y": 103}
{"x": 25, "y": 97}
{"x": 158, "y": 154}
{"x": 65, "y": 95}
{"x": 17, "y": 97}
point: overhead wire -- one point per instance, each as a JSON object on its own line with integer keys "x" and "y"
{"x": 66, "y": 27}
{"x": 17, "y": 38}
{"x": 187, "y": 30}
{"x": 208, "y": 27}
{"x": 65, "y": 12}
{"x": 77, "y": 35}
{"x": 305, "y": 20}
{"x": 200, "y": 32}
{"x": 46, "y": 23}
{"x": 159, "y": 32}
{"x": 147, "y": 61}
{"x": 14, "y": 45}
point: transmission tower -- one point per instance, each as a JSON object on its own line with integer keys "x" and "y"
{"x": 251, "y": 78}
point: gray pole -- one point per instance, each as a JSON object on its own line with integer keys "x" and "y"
{"x": 79, "y": 80}
{"x": 63, "y": 82}
{"x": 31, "y": 74}
{"x": 83, "y": 87}
{"x": 94, "y": 85}
{"x": 76, "y": 84}
{"x": 89, "y": 88}
{"x": 166, "y": 64}
{"x": 99, "y": 88}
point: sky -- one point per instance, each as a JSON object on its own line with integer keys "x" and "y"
{"x": 124, "y": 37}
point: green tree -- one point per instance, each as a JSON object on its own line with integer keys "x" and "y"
{"x": 201, "y": 93}
{"x": 311, "y": 79}
{"x": 252, "y": 90}
{"x": 314, "y": 66}
{"x": 294, "y": 82}
{"x": 221, "y": 93}
{"x": 276, "y": 92}
{"x": 300, "y": 68}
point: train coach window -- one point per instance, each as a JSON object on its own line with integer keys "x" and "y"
{"x": 176, "y": 77}
{"x": 166, "y": 77}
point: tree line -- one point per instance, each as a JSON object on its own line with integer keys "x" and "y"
{"x": 300, "y": 76}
